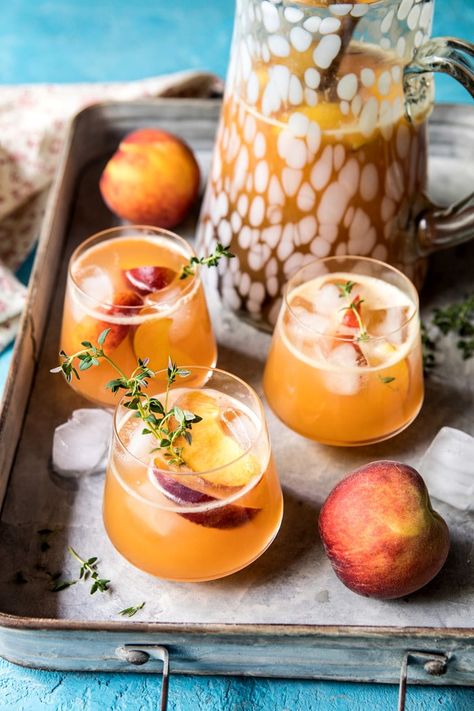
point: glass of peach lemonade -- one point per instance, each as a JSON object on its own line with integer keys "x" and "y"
{"x": 127, "y": 279}
{"x": 345, "y": 366}
{"x": 216, "y": 511}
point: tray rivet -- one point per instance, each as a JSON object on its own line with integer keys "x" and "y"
{"x": 436, "y": 667}
{"x": 133, "y": 656}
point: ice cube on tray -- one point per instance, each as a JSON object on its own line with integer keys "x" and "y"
{"x": 81, "y": 445}
{"x": 448, "y": 468}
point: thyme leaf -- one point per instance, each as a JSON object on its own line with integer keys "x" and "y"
{"x": 131, "y": 611}
{"x": 456, "y": 319}
{"x": 345, "y": 288}
{"x": 87, "y": 572}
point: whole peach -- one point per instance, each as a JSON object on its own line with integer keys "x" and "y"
{"x": 153, "y": 178}
{"x": 380, "y": 532}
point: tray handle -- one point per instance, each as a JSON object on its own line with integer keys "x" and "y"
{"x": 138, "y": 654}
{"x": 435, "y": 664}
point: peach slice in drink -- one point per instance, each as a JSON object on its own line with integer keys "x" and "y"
{"x": 125, "y": 303}
{"x": 218, "y": 456}
{"x": 146, "y": 280}
{"x": 213, "y": 446}
{"x": 157, "y": 331}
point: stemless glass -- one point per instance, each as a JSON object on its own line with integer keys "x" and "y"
{"x": 345, "y": 366}
{"x": 211, "y": 517}
{"x": 171, "y": 320}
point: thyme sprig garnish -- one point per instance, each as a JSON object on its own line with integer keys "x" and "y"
{"x": 87, "y": 357}
{"x": 345, "y": 288}
{"x": 354, "y": 306}
{"x": 87, "y": 572}
{"x": 131, "y": 611}
{"x": 169, "y": 425}
{"x": 211, "y": 261}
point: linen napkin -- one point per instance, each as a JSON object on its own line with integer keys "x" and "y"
{"x": 33, "y": 124}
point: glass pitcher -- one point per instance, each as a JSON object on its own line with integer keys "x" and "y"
{"x": 322, "y": 143}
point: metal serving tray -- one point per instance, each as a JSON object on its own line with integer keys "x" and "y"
{"x": 287, "y": 614}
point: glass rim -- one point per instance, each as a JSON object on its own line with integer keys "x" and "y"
{"x": 201, "y": 368}
{"x": 353, "y": 258}
{"x": 131, "y": 310}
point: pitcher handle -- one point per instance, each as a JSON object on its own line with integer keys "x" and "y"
{"x": 439, "y": 227}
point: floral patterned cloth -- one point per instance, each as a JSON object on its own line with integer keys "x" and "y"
{"x": 33, "y": 124}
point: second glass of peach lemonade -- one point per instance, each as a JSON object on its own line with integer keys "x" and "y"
{"x": 214, "y": 513}
{"x": 345, "y": 366}
{"x": 127, "y": 279}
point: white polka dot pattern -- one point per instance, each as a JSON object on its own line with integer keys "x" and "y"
{"x": 314, "y": 155}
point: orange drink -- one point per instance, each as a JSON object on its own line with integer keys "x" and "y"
{"x": 302, "y": 173}
{"x": 214, "y": 514}
{"x": 127, "y": 279}
{"x": 345, "y": 365}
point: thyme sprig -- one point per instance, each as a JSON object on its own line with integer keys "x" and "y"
{"x": 87, "y": 357}
{"x": 211, "y": 261}
{"x": 87, "y": 572}
{"x": 458, "y": 319}
{"x": 354, "y": 307}
{"x": 345, "y": 288}
{"x": 168, "y": 425}
{"x": 131, "y": 611}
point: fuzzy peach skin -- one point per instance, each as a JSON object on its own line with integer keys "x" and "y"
{"x": 152, "y": 179}
{"x": 380, "y": 532}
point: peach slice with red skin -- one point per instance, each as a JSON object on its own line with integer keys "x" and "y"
{"x": 215, "y": 463}
{"x": 146, "y": 280}
{"x": 213, "y": 450}
{"x": 126, "y": 303}
{"x": 223, "y": 517}
{"x": 349, "y": 318}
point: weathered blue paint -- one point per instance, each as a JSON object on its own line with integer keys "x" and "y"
{"x": 66, "y": 40}
{"x": 29, "y": 690}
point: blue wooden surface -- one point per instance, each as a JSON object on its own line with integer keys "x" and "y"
{"x": 87, "y": 40}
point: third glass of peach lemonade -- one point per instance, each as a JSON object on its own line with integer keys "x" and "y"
{"x": 130, "y": 279}
{"x": 345, "y": 366}
{"x": 200, "y": 509}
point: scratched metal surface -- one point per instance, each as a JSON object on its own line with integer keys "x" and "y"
{"x": 293, "y": 582}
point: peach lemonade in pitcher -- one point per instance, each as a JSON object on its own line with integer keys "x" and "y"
{"x": 315, "y": 154}
{"x": 130, "y": 280}
{"x": 345, "y": 366}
